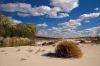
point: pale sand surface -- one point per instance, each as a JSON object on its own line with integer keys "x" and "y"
{"x": 32, "y": 56}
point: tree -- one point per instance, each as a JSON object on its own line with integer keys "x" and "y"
{"x": 20, "y": 30}
{"x": 4, "y": 20}
{"x": 31, "y": 29}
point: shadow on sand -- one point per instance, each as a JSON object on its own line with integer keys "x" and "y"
{"x": 54, "y": 55}
{"x": 50, "y": 54}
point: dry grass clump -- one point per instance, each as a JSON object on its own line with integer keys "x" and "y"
{"x": 82, "y": 41}
{"x": 17, "y": 41}
{"x": 20, "y": 41}
{"x": 6, "y": 42}
{"x": 68, "y": 49}
{"x": 48, "y": 43}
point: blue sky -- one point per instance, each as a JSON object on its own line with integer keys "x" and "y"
{"x": 56, "y": 18}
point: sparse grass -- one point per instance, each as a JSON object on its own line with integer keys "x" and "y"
{"x": 48, "y": 43}
{"x": 17, "y": 41}
{"x": 30, "y": 50}
{"x": 68, "y": 49}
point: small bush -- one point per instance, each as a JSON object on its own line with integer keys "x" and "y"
{"x": 48, "y": 43}
{"x": 82, "y": 41}
{"x": 68, "y": 49}
{"x": 33, "y": 43}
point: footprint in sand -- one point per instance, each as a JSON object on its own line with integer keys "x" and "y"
{"x": 30, "y": 50}
{"x": 18, "y": 50}
{"x": 23, "y": 59}
{"x": 42, "y": 50}
{"x": 2, "y": 51}
{"x": 37, "y": 51}
{"x": 6, "y": 53}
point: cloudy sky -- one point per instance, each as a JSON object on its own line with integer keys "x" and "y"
{"x": 56, "y": 18}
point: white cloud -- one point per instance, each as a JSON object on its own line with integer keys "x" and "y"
{"x": 66, "y": 5}
{"x": 17, "y": 21}
{"x": 89, "y": 16}
{"x": 69, "y": 29}
{"x": 14, "y": 7}
{"x": 96, "y": 9}
{"x": 86, "y": 21}
{"x": 24, "y": 9}
{"x": 72, "y": 24}
{"x": 41, "y": 10}
{"x": 14, "y": 21}
{"x": 58, "y": 33}
{"x": 42, "y": 25}
{"x": 93, "y": 31}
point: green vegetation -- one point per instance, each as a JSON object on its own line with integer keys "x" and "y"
{"x": 17, "y": 33}
{"x": 19, "y": 30}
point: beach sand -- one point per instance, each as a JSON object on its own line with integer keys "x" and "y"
{"x": 33, "y": 56}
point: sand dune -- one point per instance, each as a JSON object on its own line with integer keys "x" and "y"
{"x": 32, "y": 56}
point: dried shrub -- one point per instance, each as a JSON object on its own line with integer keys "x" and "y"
{"x": 82, "y": 41}
{"x": 7, "y": 42}
{"x": 33, "y": 43}
{"x": 68, "y": 49}
{"x": 17, "y": 41}
{"x": 48, "y": 43}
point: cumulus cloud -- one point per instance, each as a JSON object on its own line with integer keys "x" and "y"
{"x": 93, "y": 31}
{"x": 89, "y": 16}
{"x": 14, "y": 7}
{"x": 71, "y": 24}
{"x": 42, "y": 25}
{"x": 69, "y": 29}
{"x": 74, "y": 23}
{"x": 24, "y": 9}
{"x": 66, "y": 5}
{"x": 59, "y": 33}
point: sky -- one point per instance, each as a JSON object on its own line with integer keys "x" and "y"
{"x": 56, "y": 18}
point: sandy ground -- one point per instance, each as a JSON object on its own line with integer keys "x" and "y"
{"x": 32, "y": 56}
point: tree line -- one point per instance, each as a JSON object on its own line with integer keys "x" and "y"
{"x": 8, "y": 29}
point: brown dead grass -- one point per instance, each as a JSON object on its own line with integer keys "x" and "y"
{"x": 68, "y": 49}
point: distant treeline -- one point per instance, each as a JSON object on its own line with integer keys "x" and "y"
{"x": 9, "y": 29}
{"x": 46, "y": 38}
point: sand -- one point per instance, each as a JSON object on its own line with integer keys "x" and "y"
{"x": 33, "y": 56}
